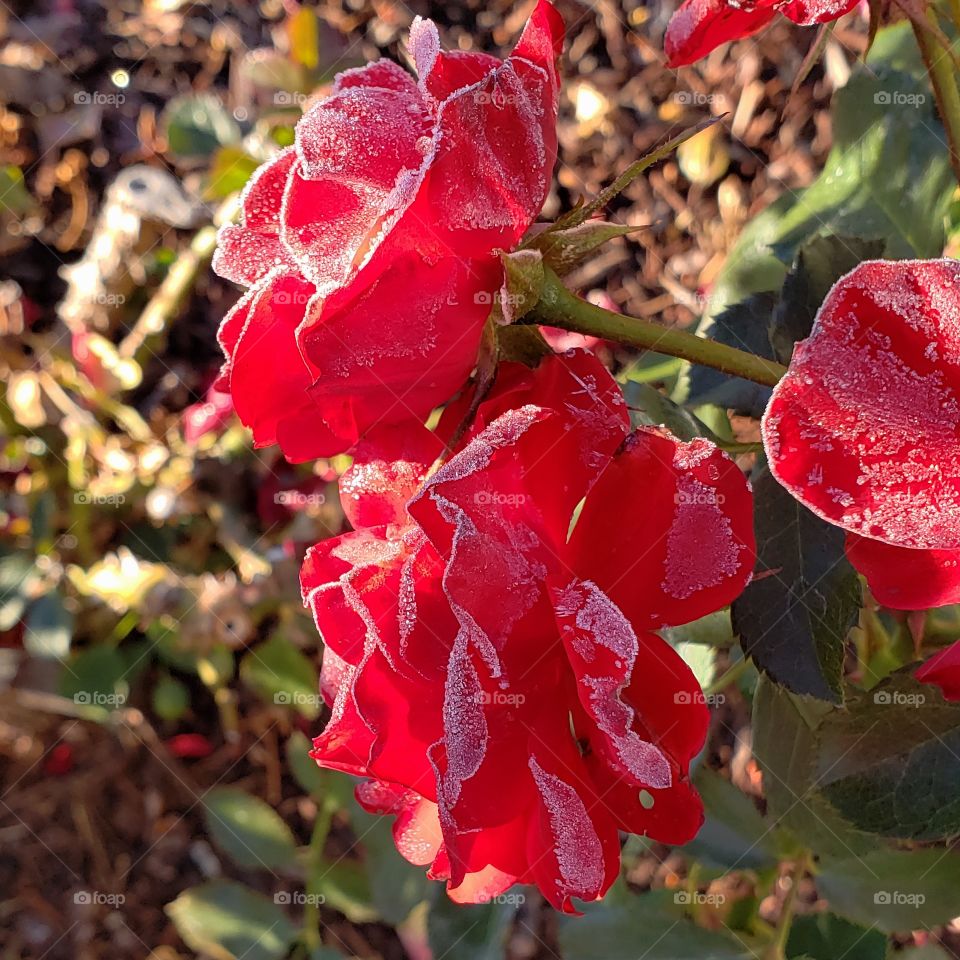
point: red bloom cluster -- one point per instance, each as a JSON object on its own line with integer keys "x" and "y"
{"x": 490, "y": 657}
{"x": 369, "y": 246}
{"x": 865, "y": 429}
{"x": 700, "y": 26}
{"x": 493, "y": 672}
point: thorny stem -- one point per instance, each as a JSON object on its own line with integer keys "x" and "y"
{"x": 940, "y": 69}
{"x": 558, "y": 307}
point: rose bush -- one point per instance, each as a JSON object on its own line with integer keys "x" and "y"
{"x": 369, "y": 246}
{"x": 498, "y": 677}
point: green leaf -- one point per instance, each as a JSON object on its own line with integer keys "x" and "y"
{"x": 745, "y": 326}
{"x": 171, "y": 698}
{"x": 345, "y": 886}
{"x": 17, "y": 577}
{"x": 825, "y": 936}
{"x": 49, "y": 627}
{"x": 785, "y": 747}
{"x": 793, "y": 619}
{"x": 249, "y": 830}
{"x": 232, "y": 167}
{"x": 649, "y": 407}
{"x": 819, "y": 264}
{"x": 893, "y": 889}
{"x": 396, "y": 886}
{"x": 651, "y": 925}
{"x": 198, "y": 124}
{"x": 890, "y": 763}
{"x": 96, "y": 677}
{"x": 228, "y": 921}
{"x": 15, "y": 198}
{"x": 469, "y": 932}
{"x": 887, "y": 178}
{"x": 279, "y": 673}
{"x": 713, "y": 630}
{"x": 303, "y": 767}
{"x": 734, "y": 836}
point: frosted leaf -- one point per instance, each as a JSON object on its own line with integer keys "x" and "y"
{"x": 577, "y": 847}
{"x": 865, "y": 427}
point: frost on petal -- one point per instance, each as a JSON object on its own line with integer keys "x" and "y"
{"x": 355, "y": 149}
{"x": 943, "y": 670}
{"x": 906, "y": 579}
{"x": 249, "y": 251}
{"x": 391, "y": 350}
{"x": 865, "y": 427}
{"x": 388, "y": 468}
{"x": 700, "y": 26}
{"x": 572, "y": 844}
{"x": 691, "y": 507}
{"x": 384, "y": 74}
{"x": 809, "y": 12}
{"x": 424, "y": 46}
{"x": 267, "y": 376}
{"x": 346, "y": 740}
{"x": 602, "y": 650}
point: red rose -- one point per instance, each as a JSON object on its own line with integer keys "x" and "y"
{"x": 865, "y": 427}
{"x": 700, "y": 26}
{"x": 369, "y": 246}
{"x": 943, "y": 670}
{"x": 495, "y": 675}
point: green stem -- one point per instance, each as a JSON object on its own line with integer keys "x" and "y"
{"x": 777, "y": 950}
{"x": 558, "y": 307}
{"x": 727, "y": 678}
{"x": 310, "y": 932}
{"x": 940, "y": 69}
